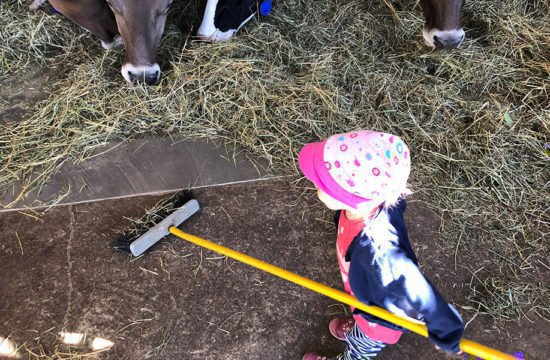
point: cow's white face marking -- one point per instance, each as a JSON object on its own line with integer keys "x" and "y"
{"x": 207, "y": 30}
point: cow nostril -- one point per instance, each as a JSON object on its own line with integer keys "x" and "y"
{"x": 437, "y": 42}
{"x": 152, "y": 78}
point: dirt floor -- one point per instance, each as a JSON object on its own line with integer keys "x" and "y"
{"x": 180, "y": 302}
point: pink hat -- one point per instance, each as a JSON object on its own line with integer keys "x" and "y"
{"x": 358, "y": 167}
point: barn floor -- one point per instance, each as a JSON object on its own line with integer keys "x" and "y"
{"x": 180, "y": 302}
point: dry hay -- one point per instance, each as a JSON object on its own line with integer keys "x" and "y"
{"x": 27, "y": 38}
{"x": 477, "y": 119}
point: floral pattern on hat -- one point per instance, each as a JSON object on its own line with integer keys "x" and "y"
{"x": 368, "y": 164}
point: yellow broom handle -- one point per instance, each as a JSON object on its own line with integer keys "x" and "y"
{"x": 467, "y": 346}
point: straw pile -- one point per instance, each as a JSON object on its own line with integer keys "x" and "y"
{"x": 477, "y": 119}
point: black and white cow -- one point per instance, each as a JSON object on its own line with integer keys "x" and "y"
{"x": 223, "y": 18}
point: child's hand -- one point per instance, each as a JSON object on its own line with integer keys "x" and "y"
{"x": 438, "y": 348}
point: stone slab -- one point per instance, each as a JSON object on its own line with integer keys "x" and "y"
{"x": 139, "y": 167}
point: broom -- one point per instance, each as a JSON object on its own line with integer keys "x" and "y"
{"x": 162, "y": 224}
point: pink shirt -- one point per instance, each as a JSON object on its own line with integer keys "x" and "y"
{"x": 347, "y": 231}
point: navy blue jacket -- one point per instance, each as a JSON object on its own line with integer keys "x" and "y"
{"x": 384, "y": 272}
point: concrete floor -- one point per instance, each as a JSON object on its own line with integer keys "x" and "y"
{"x": 149, "y": 165}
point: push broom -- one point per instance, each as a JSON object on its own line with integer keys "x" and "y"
{"x": 168, "y": 225}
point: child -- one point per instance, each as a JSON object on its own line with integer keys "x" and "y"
{"x": 363, "y": 175}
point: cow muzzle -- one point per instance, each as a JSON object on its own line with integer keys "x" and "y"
{"x": 443, "y": 39}
{"x": 148, "y": 74}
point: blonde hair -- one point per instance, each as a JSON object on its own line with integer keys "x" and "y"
{"x": 388, "y": 201}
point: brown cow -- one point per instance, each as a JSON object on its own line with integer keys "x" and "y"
{"x": 140, "y": 23}
{"x": 443, "y": 29}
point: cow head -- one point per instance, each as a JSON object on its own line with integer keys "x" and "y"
{"x": 141, "y": 25}
{"x": 442, "y": 29}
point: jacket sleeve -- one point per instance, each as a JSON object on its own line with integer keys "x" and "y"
{"x": 445, "y": 326}
{"x": 406, "y": 292}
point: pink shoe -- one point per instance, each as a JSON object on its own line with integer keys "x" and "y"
{"x": 340, "y": 326}
{"x": 315, "y": 356}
